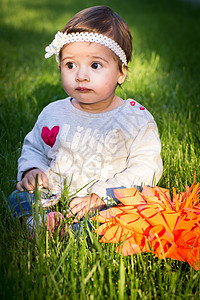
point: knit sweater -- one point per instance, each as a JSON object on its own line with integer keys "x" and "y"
{"x": 94, "y": 152}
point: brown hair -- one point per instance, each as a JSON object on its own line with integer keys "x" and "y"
{"x": 102, "y": 19}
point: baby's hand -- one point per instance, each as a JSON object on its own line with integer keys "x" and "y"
{"x": 28, "y": 181}
{"x": 81, "y": 205}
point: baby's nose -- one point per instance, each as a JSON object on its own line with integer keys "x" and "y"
{"x": 82, "y": 74}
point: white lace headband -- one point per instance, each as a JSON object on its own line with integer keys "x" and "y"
{"x": 62, "y": 38}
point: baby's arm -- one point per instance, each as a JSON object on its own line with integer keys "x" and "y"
{"x": 144, "y": 164}
{"x": 28, "y": 180}
{"x": 33, "y": 160}
{"x": 81, "y": 205}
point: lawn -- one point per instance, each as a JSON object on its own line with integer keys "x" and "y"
{"x": 164, "y": 77}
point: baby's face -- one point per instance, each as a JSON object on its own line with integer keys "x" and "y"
{"x": 90, "y": 74}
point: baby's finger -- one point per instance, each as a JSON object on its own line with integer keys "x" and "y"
{"x": 77, "y": 208}
{"x": 31, "y": 180}
{"x": 44, "y": 180}
{"x": 81, "y": 214}
{"x": 27, "y": 185}
{"x": 39, "y": 181}
{"x": 74, "y": 202}
{"x": 20, "y": 186}
{"x": 72, "y": 212}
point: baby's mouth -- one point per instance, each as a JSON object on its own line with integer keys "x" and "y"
{"x": 82, "y": 89}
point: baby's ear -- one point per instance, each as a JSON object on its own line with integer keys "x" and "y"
{"x": 59, "y": 68}
{"x": 122, "y": 75}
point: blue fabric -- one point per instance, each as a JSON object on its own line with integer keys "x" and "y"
{"x": 20, "y": 204}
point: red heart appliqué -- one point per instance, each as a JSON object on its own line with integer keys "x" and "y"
{"x": 132, "y": 103}
{"x": 49, "y": 136}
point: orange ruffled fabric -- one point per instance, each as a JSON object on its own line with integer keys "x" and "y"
{"x": 151, "y": 222}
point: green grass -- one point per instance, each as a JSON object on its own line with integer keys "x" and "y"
{"x": 164, "y": 77}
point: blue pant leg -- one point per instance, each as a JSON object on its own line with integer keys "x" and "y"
{"x": 20, "y": 203}
{"x": 81, "y": 226}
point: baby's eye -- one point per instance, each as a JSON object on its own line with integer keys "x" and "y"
{"x": 70, "y": 65}
{"x": 96, "y": 65}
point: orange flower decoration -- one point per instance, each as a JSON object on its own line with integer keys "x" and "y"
{"x": 151, "y": 222}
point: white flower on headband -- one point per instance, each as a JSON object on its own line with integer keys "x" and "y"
{"x": 56, "y": 45}
{"x": 62, "y": 38}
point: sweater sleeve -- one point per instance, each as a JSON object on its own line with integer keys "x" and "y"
{"x": 144, "y": 164}
{"x": 33, "y": 154}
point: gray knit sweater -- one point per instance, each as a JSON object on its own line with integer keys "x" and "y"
{"x": 104, "y": 151}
